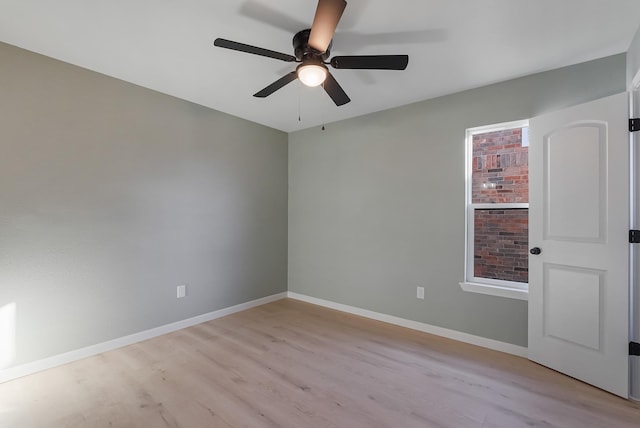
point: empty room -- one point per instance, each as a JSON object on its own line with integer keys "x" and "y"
{"x": 319, "y": 213}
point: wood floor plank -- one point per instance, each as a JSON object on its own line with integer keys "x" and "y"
{"x": 292, "y": 364}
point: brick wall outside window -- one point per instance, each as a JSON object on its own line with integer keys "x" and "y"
{"x": 500, "y": 174}
{"x": 499, "y": 158}
{"x": 501, "y": 244}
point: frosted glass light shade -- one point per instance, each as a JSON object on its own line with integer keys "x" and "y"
{"x": 312, "y": 75}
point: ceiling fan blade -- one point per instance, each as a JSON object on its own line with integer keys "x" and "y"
{"x": 284, "y": 80}
{"x": 371, "y": 62}
{"x": 228, "y": 44}
{"x": 335, "y": 91}
{"x": 328, "y": 14}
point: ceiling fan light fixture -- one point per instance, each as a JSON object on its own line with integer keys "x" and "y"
{"x": 312, "y": 74}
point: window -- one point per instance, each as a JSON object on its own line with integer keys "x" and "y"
{"x": 497, "y": 210}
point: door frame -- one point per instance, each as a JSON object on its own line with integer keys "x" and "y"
{"x": 634, "y": 250}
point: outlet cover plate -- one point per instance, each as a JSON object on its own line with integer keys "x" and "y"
{"x": 181, "y": 291}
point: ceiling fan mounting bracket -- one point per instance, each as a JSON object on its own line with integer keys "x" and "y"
{"x": 304, "y": 52}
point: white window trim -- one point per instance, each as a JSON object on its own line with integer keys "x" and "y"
{"x": 493, "y": 287}
{"x": 492, "y": 290}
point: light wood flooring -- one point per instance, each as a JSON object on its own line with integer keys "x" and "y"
{"x": 292, "y": 364}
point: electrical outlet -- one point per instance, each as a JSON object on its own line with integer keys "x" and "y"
{"x": 420, "y": 293}
{"x": 182, "y": 291}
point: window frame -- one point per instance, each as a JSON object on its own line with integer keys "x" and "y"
{"x": 471, "y": 283}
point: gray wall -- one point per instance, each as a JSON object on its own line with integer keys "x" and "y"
{"x": 111, "y": 195}
{"x": 376, "y": 203}
{"x": 633, "y": 58}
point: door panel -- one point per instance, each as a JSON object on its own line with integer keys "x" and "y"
{"x": 569, "y": 214}
{"x": 579, "y": 217}
{"x": 572, "y": 305}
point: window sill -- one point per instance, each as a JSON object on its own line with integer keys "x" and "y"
{"x": 495, "y": 290}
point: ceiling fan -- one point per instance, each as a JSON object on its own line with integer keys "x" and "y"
{"x": 311, "y": 50}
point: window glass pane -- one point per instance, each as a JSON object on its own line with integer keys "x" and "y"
{"x": 500, "y": 167}
{"x": 501, "y": 243}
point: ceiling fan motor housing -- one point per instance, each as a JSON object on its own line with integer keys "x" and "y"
{"x": 304, "y": 52}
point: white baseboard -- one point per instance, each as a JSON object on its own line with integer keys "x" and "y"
{"x": 496, "y": 345}
{"x": 78, "y": 354}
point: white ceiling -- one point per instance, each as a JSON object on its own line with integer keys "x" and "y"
{"x": 453, "y": 45}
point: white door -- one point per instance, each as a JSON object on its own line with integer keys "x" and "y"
{"x": 579, "y": 219}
